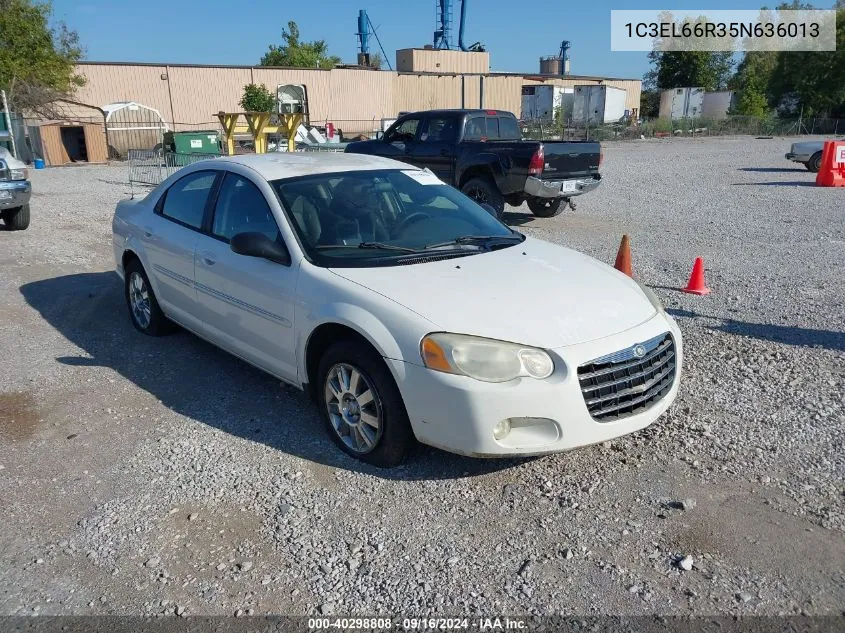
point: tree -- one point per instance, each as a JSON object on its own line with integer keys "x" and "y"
{"x": 257, "y": 98}
{"x": 710, "y": 70}
{"x": 37, "y": 62}
{"x": 292, "y": 52}
{"x": 752, "y": 83}
{"x": 377, "y": 62}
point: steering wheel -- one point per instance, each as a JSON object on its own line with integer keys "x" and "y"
{"x": 416, "y": 216}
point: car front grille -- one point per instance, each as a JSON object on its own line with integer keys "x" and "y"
{"x": 629, "y": 381}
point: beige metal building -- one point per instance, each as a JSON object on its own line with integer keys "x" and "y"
{"x": 354, "y": 99}
{"x": 429, "y": 60}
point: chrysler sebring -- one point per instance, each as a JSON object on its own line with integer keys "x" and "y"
{"x": 406, "y": 310}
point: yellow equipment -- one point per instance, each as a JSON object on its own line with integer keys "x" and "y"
{"x": 258, "y": 125}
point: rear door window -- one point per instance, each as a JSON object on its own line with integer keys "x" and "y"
{"x": 476, "y": 128}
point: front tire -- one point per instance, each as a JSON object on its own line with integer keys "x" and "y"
{"x": 144, "y": 311}
{"x": 482, "y": 189}
{"x": 361, "y": 405}
{"x": 17, "y": 219}
{"x": 545, "y": 207}
{"x": 815, "y": 162}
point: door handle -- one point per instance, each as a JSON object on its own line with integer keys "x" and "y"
{"x": 148, "y": 232}
{"x": 444, "y": 152}
{"x": 208, "y": 258}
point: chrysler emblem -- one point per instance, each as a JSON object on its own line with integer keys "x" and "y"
{"x": 639, "y": 351}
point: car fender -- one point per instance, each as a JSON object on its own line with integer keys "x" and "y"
{"x": 126, "y": 236}
{"x": 361, "y": 321}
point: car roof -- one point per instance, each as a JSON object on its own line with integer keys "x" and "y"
{"x": 443, "y": 111}
{"x": 277, "y": 165}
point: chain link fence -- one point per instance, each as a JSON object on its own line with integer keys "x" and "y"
{"x": 692, "y": 127}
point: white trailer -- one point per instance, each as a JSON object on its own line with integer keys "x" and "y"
{"x": 597, "y": 104}
{"x": 681, "y": 103}
{"x": 717, "y": 104}
{"x": 542, "y": 102}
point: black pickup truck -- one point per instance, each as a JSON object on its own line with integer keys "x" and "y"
{"x": 481, "y": 152}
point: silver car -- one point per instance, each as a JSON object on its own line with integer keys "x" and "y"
{"x": 807, "y": 152}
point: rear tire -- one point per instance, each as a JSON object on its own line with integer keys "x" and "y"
{"x": 483, "y": 189}
{"x": 545, "y": 207}
{"x": 361, "y": 405}
{"x": 144, "y": 311}
{"x": 17, "y": 219}
{"x": 815, "y": 162}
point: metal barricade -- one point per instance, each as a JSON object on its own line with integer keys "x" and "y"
{"x": 151, "y": 168}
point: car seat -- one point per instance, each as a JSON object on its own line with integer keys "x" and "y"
{"x": 353, "y": 215}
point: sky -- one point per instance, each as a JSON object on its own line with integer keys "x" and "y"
{"x": 225, "y": 32}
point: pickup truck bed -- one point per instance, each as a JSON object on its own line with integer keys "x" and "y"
{"x": 481, "y": 153}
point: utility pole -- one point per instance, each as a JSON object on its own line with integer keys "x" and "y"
{"x": 9, "y": 123}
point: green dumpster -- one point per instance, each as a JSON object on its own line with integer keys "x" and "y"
{"x": 197, "y": 142}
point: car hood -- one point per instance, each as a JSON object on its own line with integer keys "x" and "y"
{"x": 534, "y": 293}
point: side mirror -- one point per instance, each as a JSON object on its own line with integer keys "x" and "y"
{"x": 259, "y": 245}
{"x": 379, "y": 135}
{"x": 489, "y": 209}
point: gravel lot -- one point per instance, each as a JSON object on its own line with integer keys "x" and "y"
{"x": 146, "y": 476}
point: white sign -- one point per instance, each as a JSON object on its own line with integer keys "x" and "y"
{"x": 424, "y": 177}
{"x": 196, "y": 143}
{"x": 840, "y": 154}
{"x": 723, "y": 30}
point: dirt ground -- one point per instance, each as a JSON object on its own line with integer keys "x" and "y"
{"x": 144, "y": 476}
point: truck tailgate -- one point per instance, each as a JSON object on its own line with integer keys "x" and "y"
{"x": 570, "y": 159}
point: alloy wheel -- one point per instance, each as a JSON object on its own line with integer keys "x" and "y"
{"x": 354, "y": 408}
{"x": 139, "y": 300}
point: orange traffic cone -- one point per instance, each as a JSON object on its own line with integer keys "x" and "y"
{"x": 623, "y": 256}
{"x": 696, "y": 283}
{"x": 832, "y": 170}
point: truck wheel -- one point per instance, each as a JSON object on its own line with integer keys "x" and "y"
{"x": 483, "y": 189}
{"x": 815, "y": 162}
{"x": 545, "y": 207}
{"x": 361, "y": 405}
{"x": 17, "y": 219}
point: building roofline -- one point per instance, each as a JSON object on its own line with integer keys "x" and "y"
{"x": 525, "y": 75}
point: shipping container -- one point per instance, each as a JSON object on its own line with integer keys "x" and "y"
{"x": 681, "y": 103}
{"x": 595, "y": 105}
{"x": 716, "y": 105}
{"x": 542, "y": 102}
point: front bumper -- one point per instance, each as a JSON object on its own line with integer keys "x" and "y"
{"x": 565, "y": 188}
{"x": 14, "y": 193}
{"x": 458, "y": 414}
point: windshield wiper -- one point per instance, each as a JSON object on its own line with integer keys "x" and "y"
{"x": 373, "y": 245}
{"x": 479, "y": 239}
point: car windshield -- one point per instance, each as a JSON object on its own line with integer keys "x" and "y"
{"x": 369, "y": 218}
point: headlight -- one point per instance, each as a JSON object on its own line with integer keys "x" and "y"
{"x": 17, "y": 174}
{"x": 655, "y": 301}
{"x": 483, "y": 358}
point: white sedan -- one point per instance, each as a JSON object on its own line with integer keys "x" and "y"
{"x": 406, "y": 310}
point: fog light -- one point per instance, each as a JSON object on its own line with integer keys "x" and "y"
{"x": 502, "y": 429}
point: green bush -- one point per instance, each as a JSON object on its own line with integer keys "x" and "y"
{"x": 257, "y": 99}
